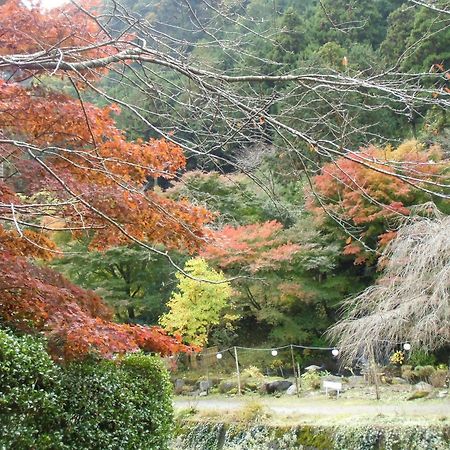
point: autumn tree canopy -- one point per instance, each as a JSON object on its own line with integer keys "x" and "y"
{"x": 195, "y": 307}
{"x": 65, "y": 162}
{"x": 367, "y": 204}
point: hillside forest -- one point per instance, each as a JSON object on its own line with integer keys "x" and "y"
{"x": 191, "y": 173}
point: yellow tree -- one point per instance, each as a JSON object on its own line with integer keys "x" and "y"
{"x": 197, "y": 306}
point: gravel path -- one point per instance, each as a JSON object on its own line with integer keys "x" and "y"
{"x": 314, "y": 407}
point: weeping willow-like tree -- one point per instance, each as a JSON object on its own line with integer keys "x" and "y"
{"x": 411, "y": 300}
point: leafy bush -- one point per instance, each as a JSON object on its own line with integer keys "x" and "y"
{"x": 312, "y": 379}
{"x": 252, "y": 372}
{"x": 122, "y": 404}
{"x": 421, "y": 358}
{"x": 30, "y": 410}
{"x": 407, "y": 373}
{"x": 423, "y": 373}
{"x": 252, "y": 412}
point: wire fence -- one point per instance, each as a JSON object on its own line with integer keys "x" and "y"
{"x": 285, "y": 360}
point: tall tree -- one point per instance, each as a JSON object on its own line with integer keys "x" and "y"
{"x": 367, "y": 203}
{"x": 196, "y": 307}
{"x": 133, "y": 281}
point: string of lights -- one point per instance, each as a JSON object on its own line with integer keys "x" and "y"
{"x": 274, "y": 352}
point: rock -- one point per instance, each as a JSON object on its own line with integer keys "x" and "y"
{"x": 422, "y": 386}
{"x": 178, "y": 386}
{"x": 442, "y": 394}
{"x": 278, "y": 386}
{"x": 312, "y": 368}
{"x": 205, "y": 385}
{"x": 291, "y": 390}
{"x": 226, "y": 386}
{"x": 398, "y": 380}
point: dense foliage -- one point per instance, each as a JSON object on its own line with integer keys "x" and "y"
{"x": 370, "y": 202}
{"x": 98, "y": 404}
{"x": 296, "y": 221}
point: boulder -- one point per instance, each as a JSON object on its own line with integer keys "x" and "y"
{"x": 312, "y": 368}
{"x": 278, "y": 386}
{"x": 179, "y": 385}
{"x": 205, "y": 385}
{"x": 226, "y": 386}
{"x": 422, "y": 386}
{"x": 291, "y": 390}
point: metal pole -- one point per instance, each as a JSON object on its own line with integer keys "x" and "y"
{"x": 238, "y": 373}
{"x": 295, "y": 371}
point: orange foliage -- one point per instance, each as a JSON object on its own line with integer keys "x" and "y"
{"x": 32, "y": 30}
{"x": 93, "y": 178}
{"x": 256, "y": 246}
{"x": 368, "y": 199}
{"x": 76, "y": 321}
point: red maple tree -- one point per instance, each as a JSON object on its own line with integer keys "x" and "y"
{"x": 64, "y": 159}
{"x": 368, "y": 201}
{"x": 253, "y": 248}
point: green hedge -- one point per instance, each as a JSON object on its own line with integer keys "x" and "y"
{"x": 122, "y": 404}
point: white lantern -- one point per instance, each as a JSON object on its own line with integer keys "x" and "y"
{"x": 274, "y": 353}
{"x": 335, "y": 352}
{"x": 407, "y": 346}
{"x": 219, "y": 356}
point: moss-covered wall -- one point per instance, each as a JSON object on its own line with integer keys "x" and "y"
{"x": 220, "y": 436}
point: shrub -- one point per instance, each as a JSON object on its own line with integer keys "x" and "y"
{"x": 252, "y": 412}
{"x": 312, "y": 379}
{"x": 407, "y": 373}
{"x": 30, "y": 412}
{"x": 120, "y": 404}
{"x": 421, "y": 358}
{"x": 423, "y": 373}
{"x": 96, "y": 404}
{"x": 440, "y": 378}
{"x": 252, "y": 372}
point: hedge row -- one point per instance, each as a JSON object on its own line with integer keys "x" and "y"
{"x": 121, "y": 404}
